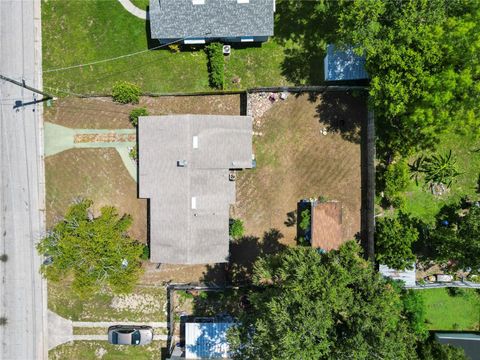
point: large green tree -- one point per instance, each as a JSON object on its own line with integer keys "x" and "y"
{"x": 96, "y": 251}
{"x": 423, "y": 57}
{"x": 308, "y": 305}
{"x": 459, "y": 241}
{"x": 394, "y": 239}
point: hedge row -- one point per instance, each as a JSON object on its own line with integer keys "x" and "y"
{"x": 215, "y": 65}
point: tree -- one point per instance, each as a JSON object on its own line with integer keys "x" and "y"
{"x": 308, "y": 305}
{"x": 236, "y": 228}
{"x": 394, "y": 239}
{"x": 422, "y": 57}
{"x": 458, "y": 238}
{"x": 216, "y": 65}
{"x": 97, "y": 252}
{"x": 433, "y": 350}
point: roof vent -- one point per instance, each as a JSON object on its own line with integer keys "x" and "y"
{"x": 195, "y": 142}
{"x": 243, "y": 1}
{"x": 194, "y": 202}
{"x": 181, "y": 163}
{"x": 198, "y": 2}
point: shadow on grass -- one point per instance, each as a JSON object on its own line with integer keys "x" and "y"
{"x": 343, "y": 113}
{"x": 243, "y": 254}
{"x": 305, "y": 28}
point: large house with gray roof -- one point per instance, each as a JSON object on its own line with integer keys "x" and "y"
{"x": 201, "y": 21}
{"x": 185, "y": 164}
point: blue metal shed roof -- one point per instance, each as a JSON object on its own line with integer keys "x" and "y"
{"x": 206, "y": 340}
{"x": 343, "y": 65}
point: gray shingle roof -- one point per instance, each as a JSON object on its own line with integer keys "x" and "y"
{"x": 179, "y": 233}
{"x": 175, "y": 19}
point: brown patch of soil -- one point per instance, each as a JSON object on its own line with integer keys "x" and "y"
{"x": 295, "y": 161}
{"x": 96, "y": 174}
{"x": 103, "y": 113}
{"x": 87, "y": 138}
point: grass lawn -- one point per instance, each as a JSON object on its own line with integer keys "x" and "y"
{"x": 144, "y": 304}
{"x": 295, "y": 161}
{"x": 420, "y": 201}
{"x": 76, "y": 32}
{"x": 446, "y": 312}
{"x": 93, "y": 350}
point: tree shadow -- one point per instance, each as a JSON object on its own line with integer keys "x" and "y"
{"x": 305, "y": 28}
{"x": 343, "y": 113}
{"x": 291, "y": 219}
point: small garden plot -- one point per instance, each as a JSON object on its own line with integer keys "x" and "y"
{"x": 305, "y": 146}
{"x": 452, "y": 309}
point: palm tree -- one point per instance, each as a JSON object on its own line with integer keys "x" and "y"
{"x": 437, "y": 169}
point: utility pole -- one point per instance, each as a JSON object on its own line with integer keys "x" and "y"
{"x": 22, "y": 84}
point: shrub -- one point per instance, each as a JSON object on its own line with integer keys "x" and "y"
{"x": 215, "y": 65}
{"x": 133, "y": 153}
{"x": 236, "y": 228}
{"x": 174, "y": 48}
{"x": 145, "y": 253}
{"x": 396, "y": 179}
{"x": 136, "y": 113}
{"x": 454, "y": 291}
{"x": 125, "y": 92}
{"x": 305, "y": 223}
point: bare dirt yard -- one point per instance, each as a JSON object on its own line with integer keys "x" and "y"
{"x": 103, "y": 113}
{"x": 295, "y": 160}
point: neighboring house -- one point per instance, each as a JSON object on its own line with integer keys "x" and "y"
{"x": 407, "y": 276}
{"x": 204, "y": 339}
{"x": 344, "y": 65}
{"x": 184, "y": 171}
{"x": 326, "y": 232}
{"x": 201, "y": 21}
{"x": 468, "y": 341}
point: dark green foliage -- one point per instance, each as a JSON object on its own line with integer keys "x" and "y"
{"x": 145, "y": 253}
{"x": 332, "y": 306}
{"x": 395, "y": 179}
{"x": 414, "y": 310}
{"x": 394, "y": 239}
{"x": 306, "y": 220}
{"x": 436, "y": 169}
{"x": 236, "y": 228}
{"x": 135, "y": 113}
{"x": 460, "y": 240}
{"x": 125, "y": 92}
{"x": 133, "y": 153}
{"x": 97, "y": 252}
{"x": 433, "y": 350}
{"x": 454, "y": 291}
{"x": 422, "y": 56}
{"x": 216, "y": 65}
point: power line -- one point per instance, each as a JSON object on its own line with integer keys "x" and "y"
{"x": 114, "y": 58}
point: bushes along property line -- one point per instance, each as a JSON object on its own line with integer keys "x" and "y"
{"x": 216, "y": 69}
{"x": 125, "y": 92}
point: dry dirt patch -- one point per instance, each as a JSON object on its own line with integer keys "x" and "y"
{"x": 96, "y": 174}
{"x": 295, "y": 160}
{"x": 103, "y": 113}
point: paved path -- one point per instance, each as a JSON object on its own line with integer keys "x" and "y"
{"x": 60, "y": 138}
{"x": 22, "y": 197}
{"x": 132, "y": 9}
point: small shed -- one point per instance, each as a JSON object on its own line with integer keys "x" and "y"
{"x": 326, "y": 218}
{"x": 407, "y": 276}
{"x": 343, "y": 65}
{"x": 207, "y": 340}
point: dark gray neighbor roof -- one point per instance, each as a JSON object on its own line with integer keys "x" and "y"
{"x": 175, "y": 19}
{"x": 189, "y": 205}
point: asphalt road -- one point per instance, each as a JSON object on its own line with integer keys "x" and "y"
{"x": 22, "y": 291}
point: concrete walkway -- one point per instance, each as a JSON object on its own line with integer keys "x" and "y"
{"x": 60, "y": 138}
{"x": 60, "y": 330}
{"x": 132, "y": 9}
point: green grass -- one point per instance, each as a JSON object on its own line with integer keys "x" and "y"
{"x": 88, "y": 350}
{"x": 445, "y": 312}
{"x": 64, "y": 302}
{"x": 77, "y": 32}
{"x": 421, "y": 203}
